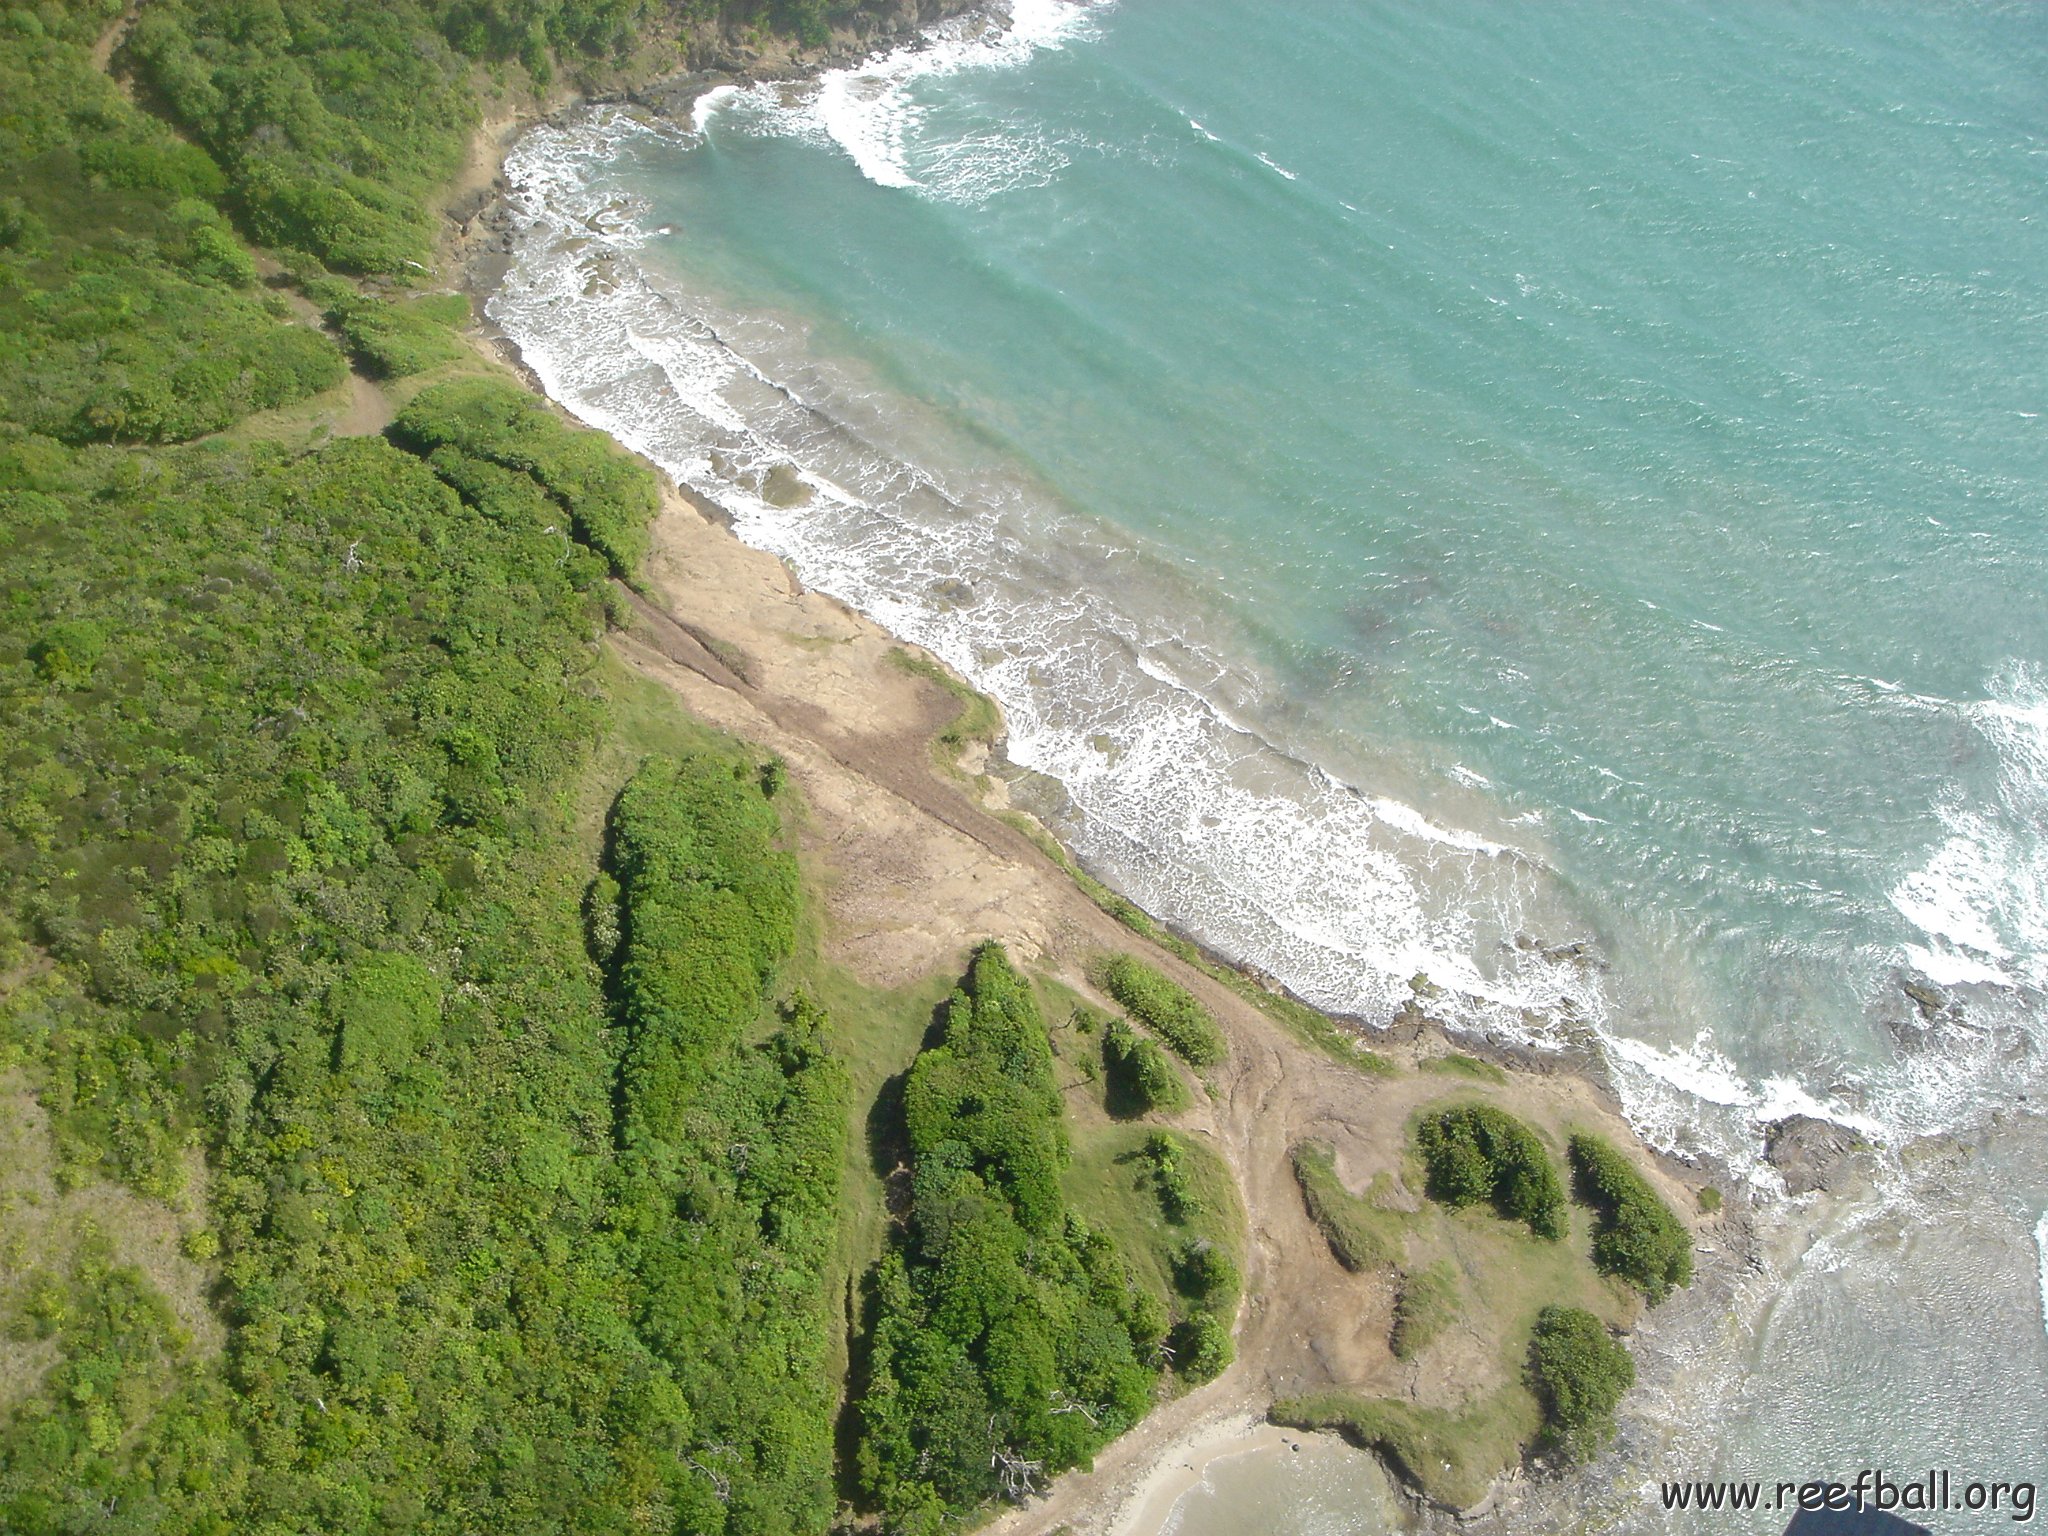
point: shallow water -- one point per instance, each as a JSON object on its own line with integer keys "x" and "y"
{"x": 1312, "y": 1485}
{"x": 1430, "y": 484}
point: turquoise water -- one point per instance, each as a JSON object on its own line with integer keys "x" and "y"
{"x": 1433, "y": 484}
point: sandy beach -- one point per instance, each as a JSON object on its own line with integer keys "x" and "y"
{"x": 919, "y": 865}
{"x": 1178, "y": 1469}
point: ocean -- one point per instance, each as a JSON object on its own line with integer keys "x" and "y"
{"x": 1549, "y": 499}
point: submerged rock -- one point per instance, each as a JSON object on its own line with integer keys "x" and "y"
{"x": 1929, "y": 999}
{"x": 784, "y": 487}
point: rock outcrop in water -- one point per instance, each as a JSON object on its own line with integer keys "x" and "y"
{"x": 1811, "y": 1153}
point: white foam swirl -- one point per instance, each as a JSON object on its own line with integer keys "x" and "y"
{"x": 1981, "y": 898}
{"x": 879, "y": 112}
{"x": 1345, "y": 895}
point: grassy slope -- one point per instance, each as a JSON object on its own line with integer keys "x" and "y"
{"x": 107, "y": 1284}
{"x": 1452, "y": 1446}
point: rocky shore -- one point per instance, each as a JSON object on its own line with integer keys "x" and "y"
{"x": 922, "y": 869}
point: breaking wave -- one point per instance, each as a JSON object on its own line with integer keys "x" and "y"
{"x": 1120, "y": 687}
{"x": 878, "y": 114}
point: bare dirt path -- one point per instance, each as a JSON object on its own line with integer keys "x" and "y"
{"x": 369, "y": 409}
{"x": 104, "y": 45}
{"x": 917, "y": 871}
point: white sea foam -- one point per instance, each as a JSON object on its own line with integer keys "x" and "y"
{"x": 1173, "y": 791}
{"x": 878, "y": 112}
{"x": 1981, "y": 896}
{"x": 2041, "y": 1247}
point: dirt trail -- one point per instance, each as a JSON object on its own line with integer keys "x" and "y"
{"x": 917, "y": 871}
{"x": 369, "y": 409}
{"x": 104, "y": 45}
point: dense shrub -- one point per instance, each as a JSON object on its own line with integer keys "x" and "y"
{"x": 1206, "y": 1275}
{"x": 1164, "y": 1007}
{"x": 1141, "y": 1079}
{"x": 731, "y": 1151}
{"x": 1476, "y": 1154}
{"x": 1579, "y": 1374}
{"x": 1178, "y": 1199}
{"x": 383, "y": 1006}
{"x": 334, "y": 122}
{"x": 114, "y": 338}
{"x": 607, "y": 495}
{"x": 708, "y": 911}
{"x": 1639, "y": 1238}
{"x": 392, "y": 340}
{"x": 1202, "y": 1347}
{"x": 1004, "y": 1326}
{"x": 985, "y": 1099}
{"x": 287, "y": 751}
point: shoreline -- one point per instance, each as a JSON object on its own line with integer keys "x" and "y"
{"x": 1182, "y": 1467}
{"x": 806, "y": 675}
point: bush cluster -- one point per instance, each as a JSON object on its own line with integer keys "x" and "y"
{"x": 1579, "y": 1374}
{"x": 1141, "y": 1079}
{"x": 482, "y": 431}
{"x": 1004, "y": 1326}
{"x": 730, "y": 1150}
{"x": 1164, "y": 1007}
{"x": 1476, "y": 1154}
{"x": 1178, "y": 1198}
{"x": 1639, "y": 1238}
{"x": 392, "y": 340}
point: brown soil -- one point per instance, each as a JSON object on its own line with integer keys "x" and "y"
{"x": 916, "y": 872}
{"x": 41, "y": 1223}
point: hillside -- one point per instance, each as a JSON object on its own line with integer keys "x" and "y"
{"x": 498, "y": 1002}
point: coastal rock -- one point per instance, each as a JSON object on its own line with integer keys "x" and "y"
{"x": 1407, "y": 1025}
{"x": 1810, "y": 1153}
{"x": 676, "y": 96}
{"x": 784, "y": 487}
{"x": 1929, "y": 1000}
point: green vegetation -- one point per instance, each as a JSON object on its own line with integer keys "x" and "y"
{"x": 729, "y": 1150}
{"x": 1141, "y": 1079}
{"x": 1580, "y": 1374}
{"x": 128, "y": 310}
{"x": 1008, "y": 1340}
{"x": 1178, "y": 1197}
{"x": 482, "y": 435}
{"x": 976, "y": 720}
{"x": 1457, "y": 1064}
{"x": 1156, "y": 1194}
{"x": 1362, "y": 1233}
{"x": 1709, "y": 1199}
{"x": 335, "y": 124}
{"x": 1427, "y": 1305}
{"x": 390, "y": 340}
{"x": 1477, "y": 1154}
{"x": 1164, "y": 1007}
{"x": 1531, "y": 1295}
{"x": 1638, "y": 1238}
{"x": 1451, "y": 1456}
{"x": 1575, "y": 1373}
